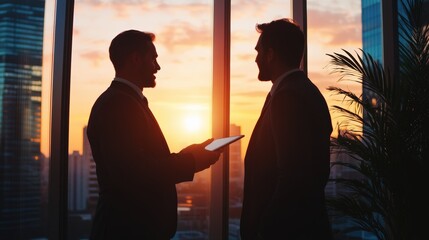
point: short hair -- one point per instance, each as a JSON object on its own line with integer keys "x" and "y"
{"x": 126, "y": 43}
{"x": 285, "y": 37}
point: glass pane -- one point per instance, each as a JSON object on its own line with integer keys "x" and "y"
{"x": 247, "y": 92}
{"x": 181, "y": 100}
{"x": 332, "y": 26}
{"x": 25, "y": 50}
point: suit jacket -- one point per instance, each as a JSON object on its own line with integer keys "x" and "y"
{"x": 136, "y": 171}
{"x": 287, "y": 165}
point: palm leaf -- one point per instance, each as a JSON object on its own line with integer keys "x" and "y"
{"x": 389, "y": 155}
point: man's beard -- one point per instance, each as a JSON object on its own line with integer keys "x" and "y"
{"x": 150, "y": 83}
{"x": 263, "y": 76}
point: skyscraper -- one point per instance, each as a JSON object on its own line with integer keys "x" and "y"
{"x": 372, "y": 27}
{"x": 21, "y": 43}
{"x": 236, "y": 169}
{"x": 92, "y": 183}
{"x": 372, "y": 39}
{"x": 77, "y": 182}
{"x": 236, "y": 181}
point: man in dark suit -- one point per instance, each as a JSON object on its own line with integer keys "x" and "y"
{"x": 136, "y": 171}
{"x": 287, "y": 161}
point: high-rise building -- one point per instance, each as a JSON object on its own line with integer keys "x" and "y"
{"x": 236, "y": 172}
{"x": 92, "y": 174}
{"x": 21, "y": 43}
{"x": 372, "y": 38}
{"x": 236, "y": 168}
{"x": 371, "y": 29}
{"x": 77, "y": 182}
{"x": 236, "y": 182}
{"x": 339, "y": 224}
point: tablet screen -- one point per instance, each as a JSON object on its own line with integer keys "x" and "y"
{"x": 221, "y": 142}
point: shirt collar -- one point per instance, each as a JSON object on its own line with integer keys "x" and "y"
{"x": 131, "y": 85}
{"x": 280, "y": 78}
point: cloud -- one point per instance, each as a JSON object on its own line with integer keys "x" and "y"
{"x": 340, "y": 28}
{"x": 99, "y": 2}
{"x": 95, "y": 57}
{"x": 178, "y": 23}
{"x": 191, "y": 8}
{"x": 245, "y": 8}
{"x": 125, "y": 8}
{"x": 324, "y": 80}
{"x": 350, "y": 6}
{"x": 184, "y": 35}
{"x": 245, "y": 57}
{"x": 76, "y": 32}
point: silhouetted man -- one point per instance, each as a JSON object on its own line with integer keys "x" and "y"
{"x": 287, "y": 161}
{"x": 136, "y": 171}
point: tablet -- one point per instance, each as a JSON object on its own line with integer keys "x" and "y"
{"x": 221, "y": 142}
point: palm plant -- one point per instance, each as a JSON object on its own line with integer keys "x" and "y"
{"x": 386, "y": 136}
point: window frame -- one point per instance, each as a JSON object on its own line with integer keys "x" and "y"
{"x": 59, "y": 129}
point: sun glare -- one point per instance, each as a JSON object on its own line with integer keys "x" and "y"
{"x": 193, "y": 123}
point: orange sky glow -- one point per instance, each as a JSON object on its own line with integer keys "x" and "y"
{"x": 181, "y": 101}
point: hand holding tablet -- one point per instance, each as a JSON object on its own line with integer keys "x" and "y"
{"x": 221, "y": 142}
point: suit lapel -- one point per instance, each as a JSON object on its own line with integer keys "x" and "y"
{"x": 143, "y": 103}
{"x": 265, "y": 109}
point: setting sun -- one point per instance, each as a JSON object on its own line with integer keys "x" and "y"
{"x": 192, "y": 123}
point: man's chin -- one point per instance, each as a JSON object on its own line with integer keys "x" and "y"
{"x": 150, "y": 84}
{"x": 263, "y": 78}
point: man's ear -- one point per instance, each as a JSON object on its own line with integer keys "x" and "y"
{"x": 135, "y": 57}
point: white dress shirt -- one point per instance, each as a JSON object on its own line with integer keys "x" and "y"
{"x": 131, "y": 85}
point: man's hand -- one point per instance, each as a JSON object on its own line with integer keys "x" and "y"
{"x": 203, "y": 158}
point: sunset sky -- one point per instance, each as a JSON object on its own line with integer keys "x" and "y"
{"x": 181, "y": 101}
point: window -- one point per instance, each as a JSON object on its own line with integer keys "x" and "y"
{"x": 247, "y": 92}
{"x": 181, "y": 100}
